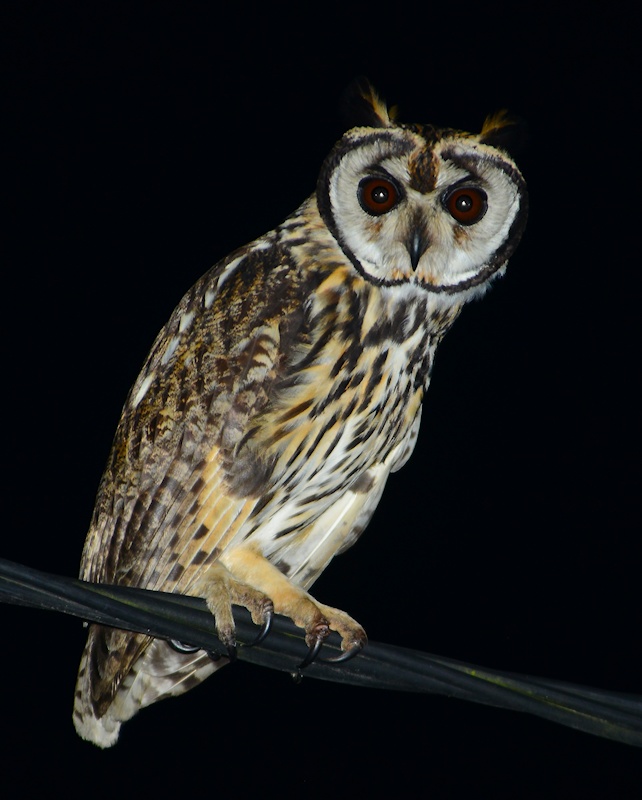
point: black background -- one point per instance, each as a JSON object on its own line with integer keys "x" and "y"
{"x": 146, "y": 141}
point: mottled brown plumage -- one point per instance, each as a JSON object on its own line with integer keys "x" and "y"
{"x": 286, "y": 386}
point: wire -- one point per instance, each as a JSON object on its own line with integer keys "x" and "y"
{"x": 186, "y": 619}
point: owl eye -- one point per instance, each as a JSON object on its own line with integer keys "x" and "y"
{"x": 466, "y": 204}
{"x": 378, "y": 195}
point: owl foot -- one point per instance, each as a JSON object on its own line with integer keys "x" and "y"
{"x": 317, "y": 620}
{"x": 353, "y": 637}
{"x": 221, "y": 591}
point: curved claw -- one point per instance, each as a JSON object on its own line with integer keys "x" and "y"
{"x": 265, "y": 628}
{"x": 214, "y": 656}
{"x": 312, "y": 653}
{"x": 343, "y": 657}
{"x": 181, "y": 647}
{"x": 231, "y": 654}
{"x": 188, "y": 649}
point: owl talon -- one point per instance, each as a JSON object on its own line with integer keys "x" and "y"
{"x": 228, "y": 640}
{"x": 231, "y": 654}
{"x": 351, "y": 652}
{"x": 182, "y": 647}
{"x": 313, "y": 652}
{"x": 266, "y": 627}
{"x": 188, "y": 649}
{"x": 213, "y": 655}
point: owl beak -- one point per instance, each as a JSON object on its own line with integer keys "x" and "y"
{"x": 417, "y": 244}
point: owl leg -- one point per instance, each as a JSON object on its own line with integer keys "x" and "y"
{"x": 221, "y": 590}
{"x": 317, "y": 620}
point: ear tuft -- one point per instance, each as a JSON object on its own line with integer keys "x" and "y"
{"x": 504, "y": 131}
{"x": 362, "y": 106}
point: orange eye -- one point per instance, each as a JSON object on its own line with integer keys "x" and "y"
{"x": 378, "y": 195}
{"x": 466, "y": 204}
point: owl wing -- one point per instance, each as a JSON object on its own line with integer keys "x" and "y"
{"x": 174, "y": 470}
{"x": 180, "y": 482}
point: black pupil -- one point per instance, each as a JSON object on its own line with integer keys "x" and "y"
{"x": 379, "y": 194}
{"x": 464, "y": 203}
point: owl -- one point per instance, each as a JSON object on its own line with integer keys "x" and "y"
{"x": 286, "y": 387}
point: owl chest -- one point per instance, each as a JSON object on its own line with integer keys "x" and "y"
{"x": 351, "y": 409}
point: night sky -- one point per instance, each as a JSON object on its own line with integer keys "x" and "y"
{"x": 147, "y": 141}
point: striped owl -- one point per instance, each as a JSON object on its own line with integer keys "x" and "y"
{"x": 285, "y": 388}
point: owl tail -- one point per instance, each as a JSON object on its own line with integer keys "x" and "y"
{"x": 158, "y": 673}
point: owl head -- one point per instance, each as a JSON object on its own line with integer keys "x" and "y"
{"x": 415, "y": 204}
